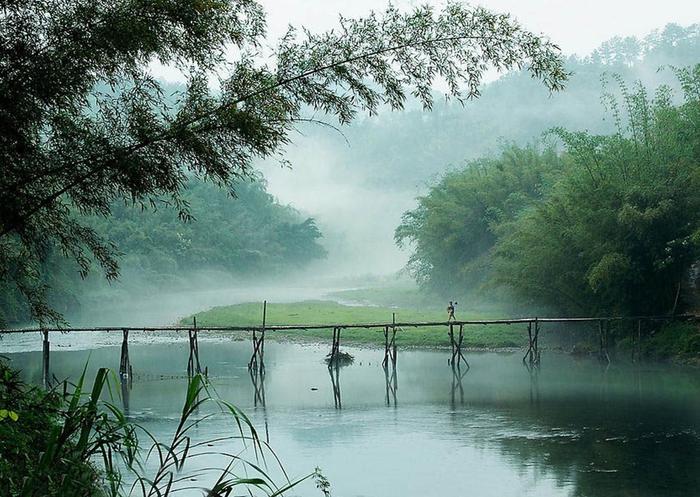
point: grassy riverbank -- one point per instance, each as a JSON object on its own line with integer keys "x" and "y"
{"x": 328, "y": 312}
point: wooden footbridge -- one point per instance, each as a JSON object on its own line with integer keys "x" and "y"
{"x": 455, "y": 330}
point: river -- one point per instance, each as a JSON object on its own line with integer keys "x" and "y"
{"x": 570, "y": 428}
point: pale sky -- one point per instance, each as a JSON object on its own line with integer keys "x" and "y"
{"x": 576, "y": 26}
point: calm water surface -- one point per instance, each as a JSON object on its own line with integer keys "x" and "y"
{"x": 570, "y": 429}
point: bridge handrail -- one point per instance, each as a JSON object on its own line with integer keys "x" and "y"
{"x": 420, "y": 324}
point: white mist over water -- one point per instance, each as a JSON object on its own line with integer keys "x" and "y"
{"x": 356, "y": 215}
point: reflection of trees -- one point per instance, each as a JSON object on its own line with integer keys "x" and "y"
{"x": 600, "y": 431}
{"x": 605, "y": 441}
{"x": 620, "y": 457}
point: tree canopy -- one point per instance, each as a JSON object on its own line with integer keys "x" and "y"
{"x": 611, "y": 224}
{"x": 253, "y": 236}
{"x": 69, "y": 148}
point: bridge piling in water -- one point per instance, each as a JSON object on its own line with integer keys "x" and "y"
{"x": 532, "y": 356}
{"x": 193, "y": 365}
{"x": 45, "y": 352}
{"x": 392, "y": 386}
{"x": 451, "y": 334}
{"x": 385, "y": 361}
{"x": 390, "y": 355}
{"x": 456, "y": 346}
{"x": 603, "y": 331}
{"x": 125, "y": 371}
{"x": 257, "y": 359}
{"x": 124, "y": 364}
{"x": 334, "y": 355}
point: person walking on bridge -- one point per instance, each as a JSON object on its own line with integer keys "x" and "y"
{"x": 451, "y": 311}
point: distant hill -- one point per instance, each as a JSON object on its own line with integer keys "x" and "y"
{"x": 405, "y": 149}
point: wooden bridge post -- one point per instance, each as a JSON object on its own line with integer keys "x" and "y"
{"x": 332, "y": 355}
{"x": 393, "y": 339}
{"x": 452, "y": 344}
{"x": 262, "y": 337}
{"x": 253, "y": 363}
{"x": 335, "y": 347}
{"x": 193, "y": 365}
{"x": 124, "y": 365}
{"x": 257, "y": 358}
{"x": 458, "y": 348}
{"x": 603, "y": 330}
{"x": 386, "y": 347}
{"x": 528, "y": 354}
{"x": 45, "y": 359}
{"x": 391, "y": 385}
{"x": 190, "y": 358}
{"x": 535, "y": 356}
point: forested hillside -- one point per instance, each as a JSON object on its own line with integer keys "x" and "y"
{"x": 609, "y": 225}
{"x": 404, "y": 150}
{"x": 251, "y": 234}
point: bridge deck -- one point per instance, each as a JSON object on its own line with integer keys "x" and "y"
{"x": 328, "y": 326}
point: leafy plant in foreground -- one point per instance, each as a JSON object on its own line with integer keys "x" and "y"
{"x": 79, "y": 445}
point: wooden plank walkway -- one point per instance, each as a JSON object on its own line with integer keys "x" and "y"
{"x": 378, "y": 325}
{"x": 455, "y": 331}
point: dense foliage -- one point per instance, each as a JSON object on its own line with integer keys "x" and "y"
{"x": 612, "y": 225}
{"x": 36, "y": 457}
{"x": 73, "y": 443}
{"x": 66, "y": 146}
{"x": 249, "y": 235}
{"x": 454, "y": 227}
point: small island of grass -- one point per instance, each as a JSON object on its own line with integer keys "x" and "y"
{"x": 329, "y": 312}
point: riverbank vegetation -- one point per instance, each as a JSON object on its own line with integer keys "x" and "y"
{"x": 70, "y": 441}
{"x": 609, "y": 225}
{"x": 606, "y": 225}
{"x": 252, "y": 234}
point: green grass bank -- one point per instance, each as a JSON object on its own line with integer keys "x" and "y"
{"x": 328, "y": 312}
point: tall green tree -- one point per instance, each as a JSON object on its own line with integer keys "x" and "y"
{"x": 252, "y": 236}
{"x": 610, "y": 224}
{"x": 453, "y": 231}
{"x": 66, "y": 147}
{"x": 619, "y": 232}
